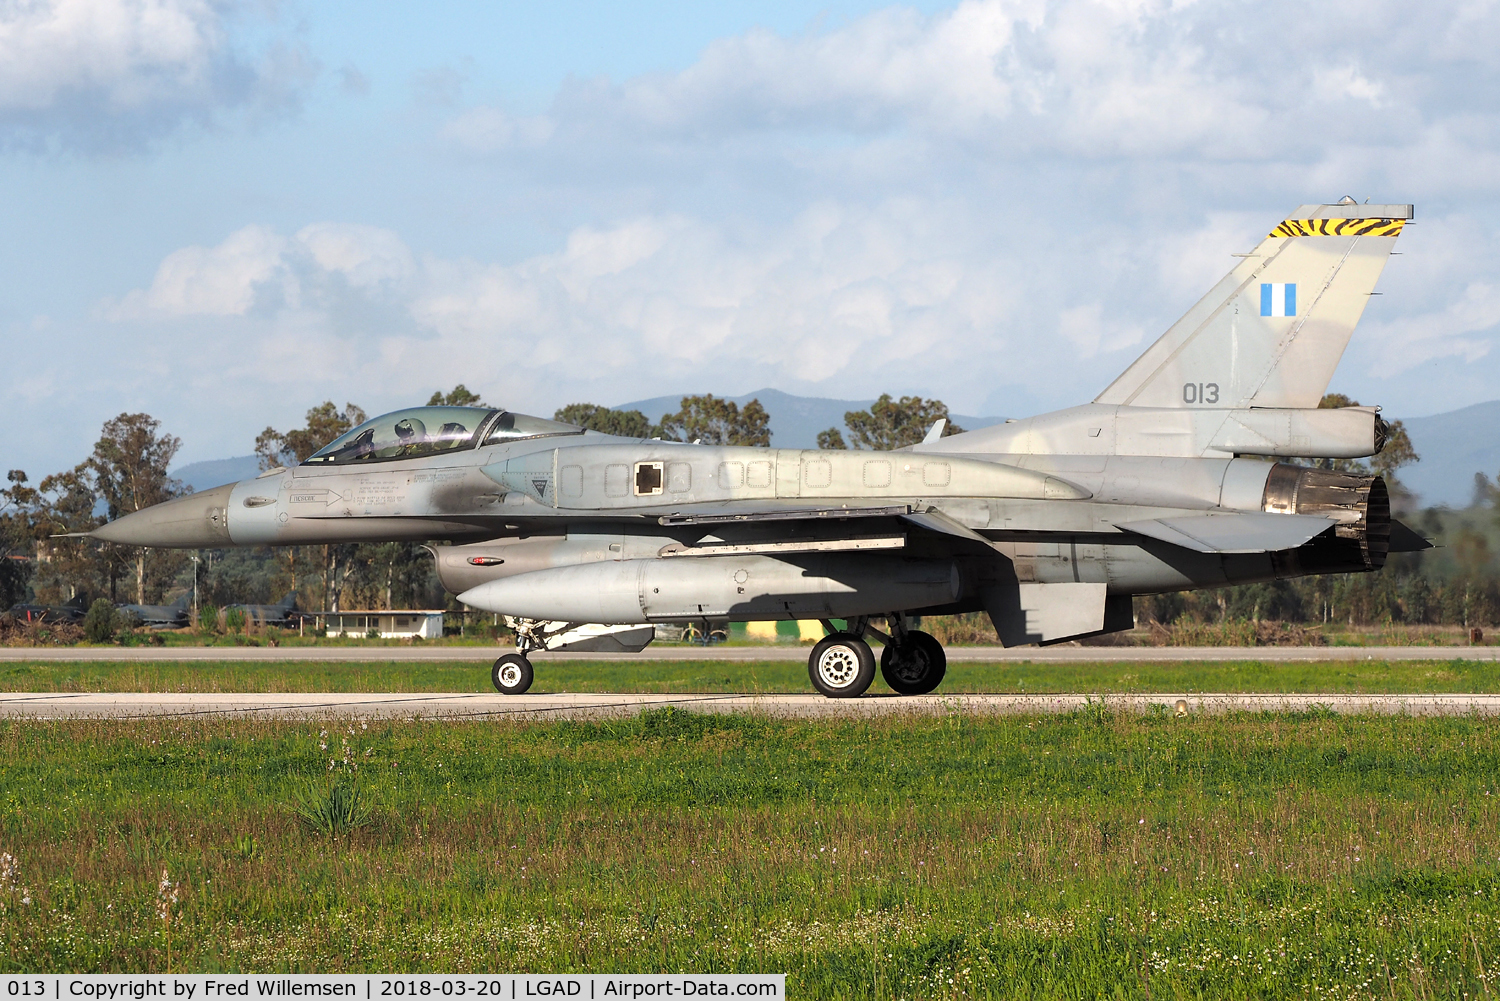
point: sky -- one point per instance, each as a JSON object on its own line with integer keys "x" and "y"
{"x": 224, "y": 213}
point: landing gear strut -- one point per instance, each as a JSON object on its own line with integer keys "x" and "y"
{"x": 842, "y": 666}
{"x": 512, "y": 673}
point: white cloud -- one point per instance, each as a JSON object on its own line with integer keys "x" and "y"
{"x": 1450, "y": 332}
{"x": 1094, "y": 78}
{"x": 132, "y": 50}
{"x": 366, "y": 256}
{"x": 257, "y": 267}
{"x": 652, "y": 298}
{"x": 110, "y": 73}
{"x": 209, "y": 281}
{"x": 1348, "y": 81}
{"x": 488, "y": 130}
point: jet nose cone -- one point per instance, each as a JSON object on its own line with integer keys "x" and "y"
{"x": 197, "y": 521}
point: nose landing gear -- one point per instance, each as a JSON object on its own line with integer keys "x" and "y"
{"x": 841, "y": 666}
{"x": 511, "y": 674}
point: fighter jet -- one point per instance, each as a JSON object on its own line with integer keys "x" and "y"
{"x": 283, "y": 613}
{"x": 173, "y": 616}
{"x": 72, "y": 611}
{"x": 1174, "y": 477}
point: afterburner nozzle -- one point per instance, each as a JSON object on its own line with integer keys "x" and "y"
{"x": 197, "y": 521}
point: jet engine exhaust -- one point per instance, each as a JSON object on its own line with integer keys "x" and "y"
{"x": 1356, "y": 545}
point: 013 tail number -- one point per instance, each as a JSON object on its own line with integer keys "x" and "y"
{"x": 1200, "y": 392}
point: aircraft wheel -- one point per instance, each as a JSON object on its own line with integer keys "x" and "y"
{"x": 511, "y": 674}
{"x": 916, "y": 666}
{"x": 841, "y": 666}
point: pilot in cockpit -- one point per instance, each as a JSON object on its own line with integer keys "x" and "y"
{"x": 451, "y": 435}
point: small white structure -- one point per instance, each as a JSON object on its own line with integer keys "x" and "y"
{"x": 390, "y": 624}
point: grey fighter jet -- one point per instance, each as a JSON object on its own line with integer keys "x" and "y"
{"x": 173, "y": 616}
{"x": 73, "y": 611}
{"x": 1174, "y": 477}
{"x": 284, "y": 613}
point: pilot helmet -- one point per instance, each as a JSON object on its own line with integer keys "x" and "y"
{"x": 410, "y": 430}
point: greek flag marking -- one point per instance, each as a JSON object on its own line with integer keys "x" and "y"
{"x": 1278, "y": 299}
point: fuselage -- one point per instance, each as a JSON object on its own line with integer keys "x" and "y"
{"x": 624, "y": 530}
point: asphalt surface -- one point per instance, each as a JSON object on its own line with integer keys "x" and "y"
{"x": 956, "y": 654}
{"x": 57, "y": 705}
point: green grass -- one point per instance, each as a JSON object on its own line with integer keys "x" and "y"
{"x": 1088, "y": 855}
{"x": 752, "y": 676}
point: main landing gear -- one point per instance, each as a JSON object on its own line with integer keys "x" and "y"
{"x": 842, "y": 666}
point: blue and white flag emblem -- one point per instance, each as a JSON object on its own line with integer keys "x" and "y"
{"x": 1278, "y": 299}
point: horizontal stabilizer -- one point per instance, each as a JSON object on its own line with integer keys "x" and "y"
{"x": 1248, "y": 532}
{"x": 1405, "y": 540}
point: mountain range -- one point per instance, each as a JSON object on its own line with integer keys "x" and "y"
{"x": 1453, "y": 446}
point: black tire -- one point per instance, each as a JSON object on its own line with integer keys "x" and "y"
{"x": 916, "y": 666}
{"x": 841, "y": 666}
{"x": 511, "y": 674}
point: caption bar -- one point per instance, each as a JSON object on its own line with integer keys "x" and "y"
{"x": 231, "y": 987}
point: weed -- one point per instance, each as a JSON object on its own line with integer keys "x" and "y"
{"x": 334, "y": 807}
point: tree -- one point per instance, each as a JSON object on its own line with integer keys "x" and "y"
{"x": 625, "y": 423}
{"x": 458, "y": 396}
{"x": 891, "y": 423}
{"x": 18, "y": 503}
{"x": 325, "y": 422}
{"x": 832, "y": 438}
{"x": 102, "y": 621}
{"x": 716, "y": 421}
{"x": 1398, "y": 450}
{"x": 68, "y": 567}
{"x": 129, "y": 469}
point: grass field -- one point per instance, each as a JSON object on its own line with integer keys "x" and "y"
{"x": 1372, "y": 676}
{"x": 1089, "y": 855}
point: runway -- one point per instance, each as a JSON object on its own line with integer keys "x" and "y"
{"x": 739, "y": 654}
{"x": 457, "y": 706}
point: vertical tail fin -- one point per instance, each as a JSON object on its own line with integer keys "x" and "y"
{"x": 1272, "y": 331}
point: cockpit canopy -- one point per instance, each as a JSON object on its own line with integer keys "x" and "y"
{"x": 419, "y": 431}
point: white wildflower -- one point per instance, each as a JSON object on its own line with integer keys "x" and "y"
{"x": 166, "y": 897}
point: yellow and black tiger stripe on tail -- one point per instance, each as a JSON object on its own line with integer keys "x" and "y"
{"x": 1339, "y": 227}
